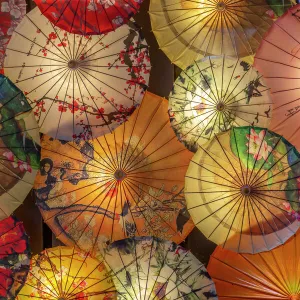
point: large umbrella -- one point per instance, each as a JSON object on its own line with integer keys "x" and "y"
{"x": 242, "y": 189}
{"x": 151, "y": 268}
{"x": 88, "y": 16}
{"x": 64, "y": 273}
{"x": 187, "y": 30}
{"x": 11, "y": 13}
{"x": 19, "y": 147}
{"x": 14, "y": 257}
{"x": 278, "y": 59}
{"x": 214, "y": 94}
{"x": 123, "y": 184}
{"x": 273, "y": 275}
{"x": 88, "y": 85}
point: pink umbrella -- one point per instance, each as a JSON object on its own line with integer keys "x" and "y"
{"x": 278, "y": 60}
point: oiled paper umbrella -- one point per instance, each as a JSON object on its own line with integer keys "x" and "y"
{"x": 278, "y": 59}
{"x": 88, "y": 85}
{"x": 88, "y": 16}
{"x": 242, "y": 189}
{"x": 187, "y": 30}
{"x": 214, "y": 94}
{"x": 66, "y": 273}
{"x": 123, "y": 184}
{"x": 152, "y": 268}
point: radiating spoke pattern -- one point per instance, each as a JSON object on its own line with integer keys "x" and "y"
{"x": 88, "y": 17}
{"x": 68, "y": 274}
{"x": 78, "y": 86}
{"x": 242, "y": 189}
{"x": 123, "y": 184}
{"x": 278, "y": 59}
{"x": 214, "y": 94}
{"x": 273, "y": 275}
{"x": 187, "y": 30}
{"x": 150, "y": 268}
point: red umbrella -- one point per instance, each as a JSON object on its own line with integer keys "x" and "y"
{"x": 88, "y": 16}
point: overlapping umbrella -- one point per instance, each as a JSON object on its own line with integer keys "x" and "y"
{"x": 65, "y": 273}
{"x": 11, "y": 13}
{"x": 123, "y": 184}
{"x": 242, "y": 189}
{"x": 187, "y": 30}
{"x": 151, "y": 268}
{"x": 214, "y": 94}
{"x": 270, "y": 275}
{"x": 88, "y": 85}
{"x": 278, "y": 59}
{"x": 88, "y": 16}
{"x": 19, "y": 147}
{"x": 14, "y": 257}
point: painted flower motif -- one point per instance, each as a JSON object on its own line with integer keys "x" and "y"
{"x": 9, "y": 155}
{"x": 257, "y": 146}
{"x": 106, "y": 3}
{"x": 118, "y": 20}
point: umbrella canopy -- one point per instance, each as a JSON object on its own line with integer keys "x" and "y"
{"x": 151, "y": 268}
{"x": 88, "y": 85}
{"x": 14, "y": 257}
{"x": 278, "y": 59}
{"x": 11, "y": 13}
{"x": 65, "y": 273}
{"x": 123, "y": 184}
{"x": 273, "y": 275}
{"x": 87, "y": 17}
{"x": 19, "y": 147}
{"x": 187, "y": 30}
{"x": 214, "y": 94}
{"x": 242, "y": 189}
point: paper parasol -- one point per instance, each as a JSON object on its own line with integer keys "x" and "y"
{"x": 278, "y": 59}
{"x": 14, "y": 257}
{"x": 242, "y": 189}
{"x": 120, "y": 185}
{"x": 273, "y": 275}
{"x": 187, "y": 30}
{"x": 214, "y": 94}
{"x": 19, "y": 147}
{"x": 78, "y": 86}
{"x": 64, "y": 273}
{"x": 151, "y": 268}
{"x": 87, "y": 17}
{"x": 11, "y": 13}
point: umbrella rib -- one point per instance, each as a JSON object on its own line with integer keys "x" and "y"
{"x": 149, "y": 265}
{"x": 242, "y": 225}
{"x": 62, "y": 12}
{"x": 238, "y": 154}
{"x": 68, "y": 274}
{"x": 52, "y": 4}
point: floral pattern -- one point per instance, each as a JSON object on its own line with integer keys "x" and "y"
{"x": 89, "y": 84}
{"x": 11, "y": 14}
{"x": 89, "y": 17}
{"x": 14, "y": 257}
{"x": 150, "y": 268}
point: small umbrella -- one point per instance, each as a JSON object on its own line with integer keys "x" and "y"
{"x": 88, "y": 85}
{"x": 242, "y": 189}
{"x": 214, "y": 94}
{"x": 273, "y": 275}
{"x": 64, "y": 273}
{"x": 19, "y": 147}
{"x": 11, "y": 13}
{"x": 278, "y": 59}
{"x": 14, "y": 257}
{"x": 187, "y": 30}
{"x": 87, "y": 17}
{"x": 123, "y": 184}
{"x": 151, "y": 268}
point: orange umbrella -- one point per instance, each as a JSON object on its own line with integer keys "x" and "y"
{"x": 122, "y": 184}
{"x": 273, "y": 275}
{"x": 278, "y": 60}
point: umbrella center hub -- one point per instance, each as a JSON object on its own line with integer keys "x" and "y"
{"x": 221, "y": 6}
{"x": 246, "y": 190}
{"x": 120, "y": 175}
{"x": 73, "y": 64}
{"x": 220, "y": 106}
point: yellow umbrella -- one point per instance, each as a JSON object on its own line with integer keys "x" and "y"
{"x": 187, "y": 30}
{"x": 64, "y": 273}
